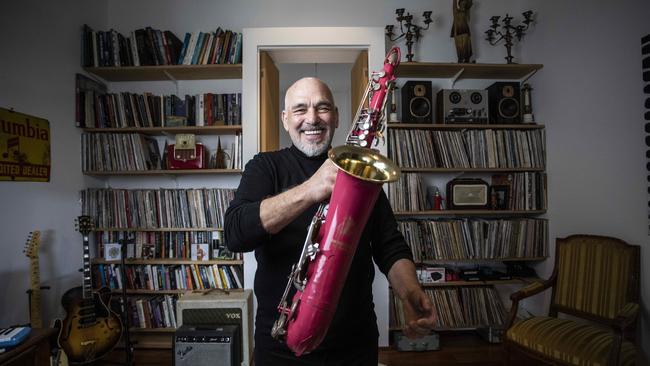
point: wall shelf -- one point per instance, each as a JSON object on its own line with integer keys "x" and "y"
{"x": 443, "y": 126}
{"x": 161, "y": 131}
{"x": 468, "y": 213}
{"x": 466, "y": 71}
{"x": 168, "y": 72}
{"x": 164, "y": 172}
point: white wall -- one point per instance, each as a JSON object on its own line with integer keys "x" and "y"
{"x": 588, "y": 95}
{"x": 40, "y": 56}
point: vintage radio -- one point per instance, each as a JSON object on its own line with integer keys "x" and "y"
{"x": 201, "y": 346}
{"x": 417, "y": 100}
{"x": 186, "y": 153}
{"x": 217, "y": 309}
{"x": 462, "y": 106}
{"x": 467, "y": 193}
{"x": 505, "y": 102}
{"x": 428, "y": 275}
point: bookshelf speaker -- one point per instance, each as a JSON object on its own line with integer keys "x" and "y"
{"x": 218, "y": 309}
{"x": 504, "y": 103}
{"x": 417, "y": 102}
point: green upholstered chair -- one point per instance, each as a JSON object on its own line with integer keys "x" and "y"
{"x": 595, "y": 278}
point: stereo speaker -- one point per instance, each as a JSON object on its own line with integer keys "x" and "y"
{"x": 417, "y": 100}
{"x": 217, "y": 309}
{"x": 504, "y": 103}
{"x": 194, "y": 346}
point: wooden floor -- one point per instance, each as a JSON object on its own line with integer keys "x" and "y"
{"x": 455, "y": 350}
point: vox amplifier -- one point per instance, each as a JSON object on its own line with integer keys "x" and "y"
{"x": 462, "y": 106}
{"x": 217, "y": 309}
{"x": 218, "y": 346}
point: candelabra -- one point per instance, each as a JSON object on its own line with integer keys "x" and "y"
{"x": 508, "y": 31}
{"x": 413, "y": 31}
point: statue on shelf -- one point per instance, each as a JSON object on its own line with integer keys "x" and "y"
{"x": 460, "y": 30}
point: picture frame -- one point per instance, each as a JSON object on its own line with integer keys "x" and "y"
{"x": 499, "y": 197}
{"x": 200, "y": 252}
{"x": 112, "y": 251}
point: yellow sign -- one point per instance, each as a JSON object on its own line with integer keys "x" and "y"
{"x": 24, "y": 147}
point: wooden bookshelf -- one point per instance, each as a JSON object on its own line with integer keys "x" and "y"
{"x": 161, "y": 131}
{"x": 152, "y": 330}
{"x": 163, "y": 172}
{"x": 441, "y": 126}
{"x": 169, "y": 292}
{"x": 481, "y": 283}
{"x": 170, "y": 261}
{"x": 469, "y": 170}
{"x": 466, "y": 71}
{"x": 430, "y": 262}
{"x": 486, "y": 213}
{"x": 159, "y": 229}
{"x": 168, "y": 72}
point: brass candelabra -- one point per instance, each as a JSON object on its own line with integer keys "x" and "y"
{"x": 408, "y": 29}
{"x": 508, "y": 32}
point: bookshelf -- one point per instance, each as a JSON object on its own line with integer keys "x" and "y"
{"x": 432, "y": 154}
{"x": 162, "y": 227}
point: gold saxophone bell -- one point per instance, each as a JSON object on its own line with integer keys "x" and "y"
{"x": 364, "y": 164}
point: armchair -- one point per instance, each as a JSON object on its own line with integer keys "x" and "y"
{"x": 596, "y": 278}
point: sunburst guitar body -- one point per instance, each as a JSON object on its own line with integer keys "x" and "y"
{"x": 90, "y": 329}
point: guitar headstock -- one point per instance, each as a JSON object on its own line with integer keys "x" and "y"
{"x": 84, "y": 224}
{"x": 32, "y": 244}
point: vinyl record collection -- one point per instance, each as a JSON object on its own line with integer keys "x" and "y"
{"x": 463, "y": 239}
{"x": 108, "y": 152}
{"x": 467, "y": 148}
{"x": 458, "y": 307}
{"x": 157, "y": 208}
{"x": 408, "y": 193}
{"x": 160, "y": 277}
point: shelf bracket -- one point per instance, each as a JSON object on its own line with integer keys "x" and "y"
{"x": 172, "y": 79}
{"x": 528, "y": 76}
{"x": 455, "y": 78}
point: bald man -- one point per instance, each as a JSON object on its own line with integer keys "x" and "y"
{"x": 277, "y": 197}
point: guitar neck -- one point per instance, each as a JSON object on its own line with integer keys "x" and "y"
{"x": 35, "y": 286}
{"x": 87, "y": 280}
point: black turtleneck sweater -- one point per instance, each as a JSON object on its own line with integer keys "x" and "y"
{"x": 269, "y": 174}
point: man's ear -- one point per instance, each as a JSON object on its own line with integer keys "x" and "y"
{"x": 284, "y": 121}
{"x": 336, "y": 113}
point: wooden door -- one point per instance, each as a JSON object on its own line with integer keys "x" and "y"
{"x": 358, "y": 80}
{"x": 269, "y": 104}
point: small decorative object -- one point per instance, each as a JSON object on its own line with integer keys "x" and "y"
{"x": 508, "y": 31}
{"x": 528, "y": 108}
{"x": 392, "y": 115}
{"x": 408, "y": 29}
{"x": 220, "y": 157}
{"x": 499, "y": 197}
{"x": 112, "y": 251}
{"x": 467, "y": 193}
{"x": 200, "y": 252}
{"x": 460, "y": 30}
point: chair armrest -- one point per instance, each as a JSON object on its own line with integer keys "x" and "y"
{"x": 527, "y": 291}
{"x": 627, "y": 315}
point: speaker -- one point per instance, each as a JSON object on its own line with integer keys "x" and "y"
{"x": 417, "y": 100}
{"x": 462, "y": 106}
{"x": 504, "y": 103}
{"x": 217, "y": 309}
{"x": 218, "y": 346}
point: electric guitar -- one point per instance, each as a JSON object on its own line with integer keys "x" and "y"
{"x": 90, "y": 329}
{"x": 31, "y": 251}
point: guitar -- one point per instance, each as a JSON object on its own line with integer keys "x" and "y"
{"x": 31, "y": 251}
{"x": 90, "y": 329}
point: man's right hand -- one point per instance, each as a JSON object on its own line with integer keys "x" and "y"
{"x": 321, "y": 184}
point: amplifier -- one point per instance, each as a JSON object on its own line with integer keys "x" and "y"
{"x": 216, "y": 309}
{"x": 207, "y": 347}
{"x": 462, "y": 106}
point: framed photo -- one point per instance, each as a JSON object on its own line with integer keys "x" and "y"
{"x": 499, "y": 197}
{"x": 200, "y": 252}
{"x": 112, "y": 251}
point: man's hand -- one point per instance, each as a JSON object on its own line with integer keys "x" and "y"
{"x": 419, "y": 314}
{"x": 321, "y": 184}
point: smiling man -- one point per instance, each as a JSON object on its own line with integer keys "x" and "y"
{"x": 277, "y": 197}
